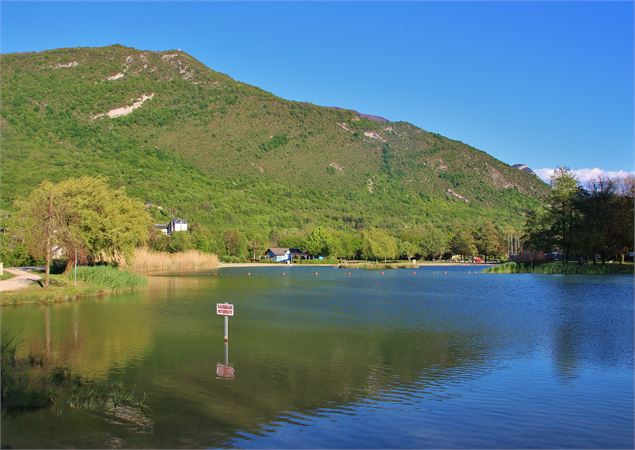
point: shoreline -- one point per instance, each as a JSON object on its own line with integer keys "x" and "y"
{"x": 418, "y": 265}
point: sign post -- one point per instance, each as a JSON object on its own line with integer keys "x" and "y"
{"x": 225, "y": 309}
{"x": 225, "y": 370}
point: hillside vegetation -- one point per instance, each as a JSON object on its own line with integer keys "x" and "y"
{"x": 194, "y": 143}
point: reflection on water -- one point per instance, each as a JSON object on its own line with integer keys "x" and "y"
{"x": 92, "y": 342}
{"x": 447, "y": 358}
{"x": 223, "y": 369}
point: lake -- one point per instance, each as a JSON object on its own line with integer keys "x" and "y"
{"x": 324, "y": 357}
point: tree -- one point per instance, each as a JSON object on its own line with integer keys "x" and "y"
{"x": 462, "y": 243}
{"x": 621, "y": 227}
{"x": 292, "y": 238}
{"x": 235, "y": 243}
{"x": 180, "y": 241}
{"x": 158, "y": 241}
{"x": 597, "y": 205}
{"x": 488, "y": 240}
{"x": 42, "y": 218}
{"x": 537, "y": 230}
{"x": 561, "y": 207}
{"x": 377, "y": 244}
{"x": 408, "y": 249}
{"x": 587, "y": 222}
{"x": 318, "y": 242}
{"x": 13, "y": 252}
{"x": 434, "y": 243}
{"x": 345, "y": 244}
{"x": 85, "y": 217}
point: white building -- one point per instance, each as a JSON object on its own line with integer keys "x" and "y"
{"x": 177, "y": 225}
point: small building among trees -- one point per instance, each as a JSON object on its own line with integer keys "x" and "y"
{"x": 177, "y": 225}
{"x": 279, "y": 254}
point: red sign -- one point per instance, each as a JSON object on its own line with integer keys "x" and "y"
{"x": 225, "y": 371}
{"x": 224, "y": 309}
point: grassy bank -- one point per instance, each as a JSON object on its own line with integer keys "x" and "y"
{"x": 145, "y": 261}
{"x": 376, "y": 265}
{"x": 315, "y": 262}
{"x": 90, "y": 281}
{"x": 561, "y": 268}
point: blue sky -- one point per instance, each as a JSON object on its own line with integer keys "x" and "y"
{"x": 542, "y": 83}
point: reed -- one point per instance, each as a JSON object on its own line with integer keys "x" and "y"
{"x": 33, "y": 382}
{"x": 145, "y": 261}
{"x": 110, "y": 278}
{"x": 558, "y": 268}
{"x": 19, "y": 390}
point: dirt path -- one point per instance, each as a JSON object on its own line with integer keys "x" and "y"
{"x": 21, "y": 280}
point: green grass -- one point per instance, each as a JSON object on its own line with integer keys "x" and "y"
{"x": 110, "y": 278}
{"x": 91, "y": 281}
{"x": 376, "y": 265}
{"x": 560, "y": 268}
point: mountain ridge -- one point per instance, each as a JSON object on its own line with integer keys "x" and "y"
{"x": 234, "y": 155}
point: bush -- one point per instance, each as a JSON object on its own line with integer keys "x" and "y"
{"x": 277, "y": 141}
{"x": 233, "y": 259}
{"x": 14, "y": 254}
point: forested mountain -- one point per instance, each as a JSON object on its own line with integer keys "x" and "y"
{"x": 194, "y": 143}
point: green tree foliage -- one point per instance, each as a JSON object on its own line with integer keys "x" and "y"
{"x": 83, "y": 216}
{"x": 463, "y": 244}
{"x": 386, "y": 158}
{"x": 235, "y": 243}
{"x": 378, "y": 244}
{"x": 596, "y": 221}
{"x": 620, "y": 233}
{"x": 489, "y": 240}
{"x": 291, "y": 238}
{"x": 408, "y": 249}
{"x": 276, "y": 141}
{"x": 158, "y": 241}
{"x": 13, "y": 252}
{"x": 42, "y": 218}
{"x": 433, "y": 243}
{"x": 562, "y": 211}
{"x": 345, "y": 244}
{"x": 318, "y": 242}
{"x": 180, "y": 241}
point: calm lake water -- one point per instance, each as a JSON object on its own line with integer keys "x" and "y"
{"x": 443, "y": 357}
